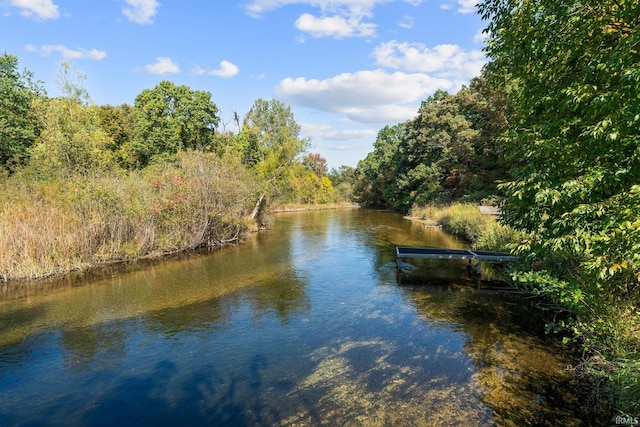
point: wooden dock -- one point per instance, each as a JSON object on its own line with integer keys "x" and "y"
{"x": 439, "y": 253}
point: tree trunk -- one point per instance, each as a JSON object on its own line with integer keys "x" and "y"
{"x": 256, "y": 209}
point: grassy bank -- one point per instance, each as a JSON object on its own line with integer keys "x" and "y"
{"x": 60, "y": 225}
{"x": 465, "y": 220}
{"x": 607, "y": 325}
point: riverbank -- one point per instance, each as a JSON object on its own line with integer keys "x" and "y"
{"x": 609, "y": 332}
{"x": 56, "y": 226}
{"x": 43, "y": 235}
{"x": 468, "y": 221}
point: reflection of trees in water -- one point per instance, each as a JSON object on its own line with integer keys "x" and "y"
{"x": 164, "y": 396}
{"x": 522, "y": 371}
{"x": 379, "y": 232}
{"x": 284, "y": 295}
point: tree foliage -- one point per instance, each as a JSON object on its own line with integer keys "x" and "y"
{"x": 171, "y": 118}
{"x": 19, "y": 126}
{"x": 450, "y": 151}
{"x": 574, "y": 139}
{"x": 270, "y": 141}
{"x": 573, "y": 69}
{"x": 71, "y": 141}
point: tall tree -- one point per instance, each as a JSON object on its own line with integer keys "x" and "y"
{"x": 375, "y": 175}
{"x": 72, "y": 141}
{"x": 119, "y": 123}
{"x": 575, "y": 139}
{"x": 316, "y": 163}
{"x": 171, "y": 118}
{"x": 271, "y": 141}
{"x": 19, "y": 126}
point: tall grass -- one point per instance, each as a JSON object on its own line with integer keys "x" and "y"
{"x": 57, "y": 226}
{"x": 465, "y": 220}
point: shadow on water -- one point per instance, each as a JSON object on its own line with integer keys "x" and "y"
{"x": 525, "y": 374}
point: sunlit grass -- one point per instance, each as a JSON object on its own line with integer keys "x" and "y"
{"x": 57, "y": 226}
{"x": 465, "y": 220}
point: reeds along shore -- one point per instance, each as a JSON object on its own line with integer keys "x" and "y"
{"x": 60, "y": 225}
{"x": 467, "y": 221}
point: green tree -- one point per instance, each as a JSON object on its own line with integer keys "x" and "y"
{"x": 19, "y": 127}
{"x": 374, "y": 183}
{"x": 118, "y": 122}
{"x": 574, "y": 144}
{"x": 343, "y": 180}
{"x": 574, "y": 133}
{"x": 72, "y": 141}
{"x": 485, "y": 106}
{"x": 171, "y": 118}
{"x": 438, "y": 152}
{"x": 451, "y": 151}
{"x": 271, "y": 141}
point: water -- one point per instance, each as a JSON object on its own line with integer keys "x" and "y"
{"x": 304, "y": 324}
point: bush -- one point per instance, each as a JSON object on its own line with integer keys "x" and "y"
{"x": 61, "y": 225}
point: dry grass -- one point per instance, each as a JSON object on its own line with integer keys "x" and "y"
{"x": 55, "y": 227}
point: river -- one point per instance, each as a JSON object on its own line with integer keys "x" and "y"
{"x": 305, "y": 323}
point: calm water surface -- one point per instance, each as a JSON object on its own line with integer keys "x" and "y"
{"x": 304, "y": 324}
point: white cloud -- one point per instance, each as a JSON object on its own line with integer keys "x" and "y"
{"x": 141, "y": 11}
{"x": 447, "y": 60}
{"x": 334, "y": 26}
{"x": 38, "y": 9}
{"x": 257, "y": 8}
{"x": 324, "y": 132}
{"x": 163, "y": 65}
{"x": 227, "y": 69}
{"x": 349, "y": 135}
{"x": 339, "y": 18}
{"x": 67, "y": 53}
{"x": 365, "y": 96}
{"x": 406, "y": 23}
{"x": 467, "y": 6}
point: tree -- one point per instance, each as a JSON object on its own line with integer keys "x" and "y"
{"x": 19, "y": 126}
{"x": 316, "y": 163}
{"x": 271, "y": 143}
{"x": 343, "y": 180}
{"x": 119, "y": 123}
{"x": 574, "y": 135}
{"x": 375, "y": 175}
{"x": 71, "y": 141}
{"x": 171, "y": 118}
{"x": 574, "y": 146}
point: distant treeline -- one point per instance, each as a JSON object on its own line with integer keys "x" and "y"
{"x": 450, "y": 151}
{"x": 84, "y": 184}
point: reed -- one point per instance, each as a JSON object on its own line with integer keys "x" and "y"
{"x": 466, "y": 221}
{"x": 56, "y": 227}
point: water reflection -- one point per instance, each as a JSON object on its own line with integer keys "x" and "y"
{"x": 304, "y": 324}
{"x": 519, "y": 368}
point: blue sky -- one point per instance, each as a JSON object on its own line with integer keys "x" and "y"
{"x": 347, "y": 68}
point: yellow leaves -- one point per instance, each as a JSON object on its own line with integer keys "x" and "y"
{"x": 617, "y": 267}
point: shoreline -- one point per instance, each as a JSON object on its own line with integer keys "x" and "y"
{"x": 428, "y": 223}
{"x": 20, "y": 287}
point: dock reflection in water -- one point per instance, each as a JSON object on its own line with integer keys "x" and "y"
{"x": 304, "y": 324}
